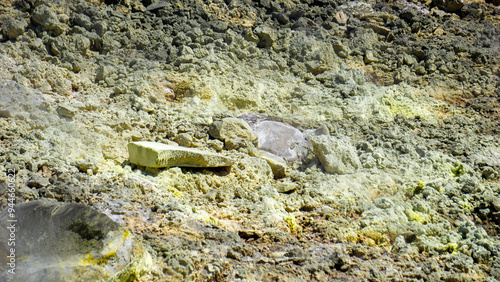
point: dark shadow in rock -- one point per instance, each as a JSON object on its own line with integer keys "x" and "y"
{"x": 219, "y": 171}
{"x": 86, "y": 231}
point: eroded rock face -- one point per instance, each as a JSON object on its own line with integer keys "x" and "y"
{"x": 69, "y": 242}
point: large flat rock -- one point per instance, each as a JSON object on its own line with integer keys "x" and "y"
{"x": 67, "y": 242}
{"x": 153, "y": 154}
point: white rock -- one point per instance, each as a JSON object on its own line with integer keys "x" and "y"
{"x": 281, "y": 139}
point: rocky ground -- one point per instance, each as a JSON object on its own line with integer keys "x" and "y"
{"x": 399, "y": 179}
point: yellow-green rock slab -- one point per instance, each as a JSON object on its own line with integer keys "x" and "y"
{"x": 154, "y": 154}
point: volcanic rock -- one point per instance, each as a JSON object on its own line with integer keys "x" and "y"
{"x": 153, "y": 154}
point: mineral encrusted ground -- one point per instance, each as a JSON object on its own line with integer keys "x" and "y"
{"x": 401, "y": 99}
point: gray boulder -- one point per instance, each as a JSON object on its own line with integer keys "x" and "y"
{"x": 67, "y": 242}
